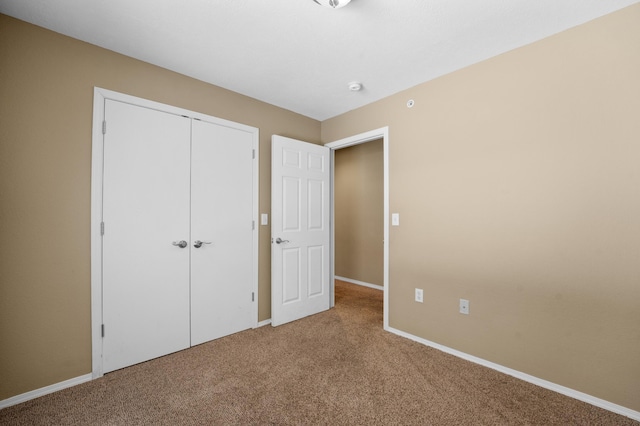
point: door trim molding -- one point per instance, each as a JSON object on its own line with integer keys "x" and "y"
{"x": 100, "y": 96}
{"x": 381, "y": 133}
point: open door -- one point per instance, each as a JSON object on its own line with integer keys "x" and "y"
{"x": 300, "y": 229}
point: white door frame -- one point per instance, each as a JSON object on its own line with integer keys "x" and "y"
{"x": 97, "y": 163}
{"x": 381, "y": 133}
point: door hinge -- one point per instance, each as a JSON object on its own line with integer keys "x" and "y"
{"x": 101, "y": 228}
{"x": 253, "y": 296}
{"x": 104, "y": 127}
{"x": 253, "y": 154}
{"x": 253, "y": 225}
{"x": 102, "y": 330}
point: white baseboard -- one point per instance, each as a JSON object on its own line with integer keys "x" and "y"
{"x": 618, "y": 409}
{"x": 263, "y": 323}
{"x": 44, "y": 391}
{"x": 362, "y": 283}
{"x": 615, "y": 408}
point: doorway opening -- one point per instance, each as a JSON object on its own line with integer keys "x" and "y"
{"x": 382, "y": 135}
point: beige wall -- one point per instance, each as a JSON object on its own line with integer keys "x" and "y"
{"x": 46, "y": 95}
{"x": 516, "y": 178}
{"x": 518, "y": 183}
{"x": 359, "y": 220}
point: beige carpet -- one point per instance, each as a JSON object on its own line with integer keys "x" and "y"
{"x": 335, "y": 368}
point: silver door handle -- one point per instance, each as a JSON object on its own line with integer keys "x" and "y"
{"x": 181, "y": 244}
{"x": 280, "y": 241}
{"x": 198, "y": 243}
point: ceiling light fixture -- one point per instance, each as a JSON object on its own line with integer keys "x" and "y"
{"x": 333, "y": 4}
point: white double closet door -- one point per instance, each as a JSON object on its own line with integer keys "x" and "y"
{"x": 171, "y": 181}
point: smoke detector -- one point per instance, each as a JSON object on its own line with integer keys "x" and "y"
{"x": 355, "y": 86}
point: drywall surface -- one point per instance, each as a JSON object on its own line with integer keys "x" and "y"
{"x": 518, "y": 184}
{"x": 46, "y": 101}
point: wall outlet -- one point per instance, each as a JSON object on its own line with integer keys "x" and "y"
{"x": 464, "y": 306}
{"x": 419, "y": 295}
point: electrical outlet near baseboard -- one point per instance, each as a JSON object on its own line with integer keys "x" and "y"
{"x": 464, "y": 306}
{"x": 419, "y": 295}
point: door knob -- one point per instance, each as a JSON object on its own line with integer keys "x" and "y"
{"x": 198, "y": 243}
{"x": 280, "y": 241}
{"x": 181, "y": 244}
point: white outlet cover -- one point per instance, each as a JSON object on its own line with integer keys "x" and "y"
{"x": 419, "y": 295}
{"x": 395, "y": 219}
{"x": 264, "y": 219}
{"x": 464, "y": 306}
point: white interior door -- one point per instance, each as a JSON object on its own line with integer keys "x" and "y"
{"x": 300, "y": 231}
{"x": 145, "y": 209}
{"x": 222, "y": 220}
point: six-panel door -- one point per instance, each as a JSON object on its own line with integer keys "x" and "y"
{"x": 300, "y": 255}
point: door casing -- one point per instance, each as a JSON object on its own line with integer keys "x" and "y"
{"x": 97, "y": 163}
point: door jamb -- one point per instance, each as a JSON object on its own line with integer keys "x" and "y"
{"x": 100, "y": 97}
{"x": 381, "y": 133}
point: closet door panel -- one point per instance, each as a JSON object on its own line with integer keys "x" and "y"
{"x": 222, "y": 206}
{"x": 145, "y": 209}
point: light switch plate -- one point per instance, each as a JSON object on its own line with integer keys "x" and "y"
{"x": 395, "y": 219}
{"x": 264, "y": 219}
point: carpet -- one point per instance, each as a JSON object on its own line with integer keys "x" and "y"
{"x": 335, "y": 368}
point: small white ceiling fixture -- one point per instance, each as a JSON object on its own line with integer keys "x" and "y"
{"x": 334, "y": 4}
{"x": 355, "y": 86}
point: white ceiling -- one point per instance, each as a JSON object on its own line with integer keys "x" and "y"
{"x": 300, "y": 56}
